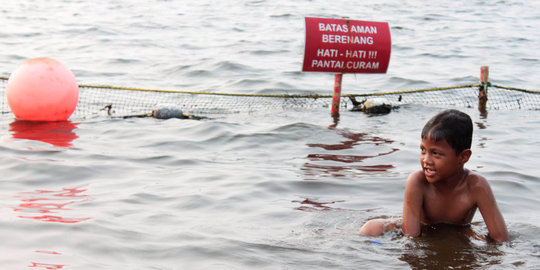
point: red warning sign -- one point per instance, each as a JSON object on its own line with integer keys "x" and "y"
{"x": 346, "y": 46}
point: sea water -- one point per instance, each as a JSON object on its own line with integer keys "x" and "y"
{"x": 266, "y": 190}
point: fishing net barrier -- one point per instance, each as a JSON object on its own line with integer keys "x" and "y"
{"x": 95, "y": 100}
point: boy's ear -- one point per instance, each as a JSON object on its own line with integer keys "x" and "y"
{"x": 464, "y": 156}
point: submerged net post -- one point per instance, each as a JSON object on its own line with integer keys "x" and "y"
{"x": 337, "y": 93}
{"x": 482, "y": 91}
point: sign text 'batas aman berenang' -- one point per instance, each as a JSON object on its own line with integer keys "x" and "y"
{"x": 346, "y": 46}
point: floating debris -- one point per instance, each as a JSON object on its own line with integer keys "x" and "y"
{"x": 372, "y": 105}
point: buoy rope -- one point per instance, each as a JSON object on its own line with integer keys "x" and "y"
{"x": 312, "y": 96}
{"x": 516, "y": 89}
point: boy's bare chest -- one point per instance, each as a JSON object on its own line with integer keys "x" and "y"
{"x": 456, "y": 207}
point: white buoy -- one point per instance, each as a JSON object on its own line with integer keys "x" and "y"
{"x": 167, "y": 111}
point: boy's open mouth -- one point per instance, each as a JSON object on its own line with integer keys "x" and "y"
{"x": 429, "y": 172}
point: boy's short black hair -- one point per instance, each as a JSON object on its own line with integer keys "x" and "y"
{"x": 453, "y": 126}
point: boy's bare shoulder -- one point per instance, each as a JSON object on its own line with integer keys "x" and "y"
{"x": 475, "y": 179}
{"x": 477, "y": 183}
{"x": 417, "y": 178}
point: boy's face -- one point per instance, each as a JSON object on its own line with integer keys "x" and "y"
{"x": 440, "y": 161}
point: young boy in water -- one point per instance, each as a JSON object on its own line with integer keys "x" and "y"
{"x": 444, "y": 191}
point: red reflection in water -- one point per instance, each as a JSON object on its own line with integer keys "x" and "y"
{"x": 46, "y": 265}
{"x": 44, "y": 205}
{"x": 309, "y": 205}
{"x": 353, "y": 140}
{"x": 48, "y": 252}
{"x": 58, "y": 133}
{"x": 348, "y": 158}
{"x": 341, "y": 171}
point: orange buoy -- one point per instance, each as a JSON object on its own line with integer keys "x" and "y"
{"x": 42, "y": 89}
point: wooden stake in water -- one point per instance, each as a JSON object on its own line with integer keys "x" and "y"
{"x": 337, "y": 93}
{"x": 482, "y": 93}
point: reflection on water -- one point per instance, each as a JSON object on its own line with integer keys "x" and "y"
{"x": 313, "y": 170}
{"x": 58, "y": 133}
{"x": 50, "y": 205}
{"x": 449, "y": 247}
{"x": 310, "y": 205}
{"x": 352, "y": 141}
{"x": 46, "y": 265}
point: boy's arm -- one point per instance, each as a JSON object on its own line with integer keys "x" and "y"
{"x": 412, "y": 204}
{"x": 489, "y": 210}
